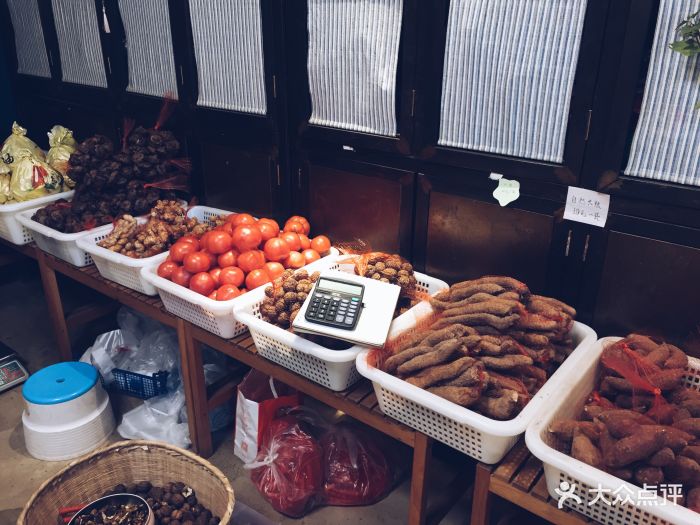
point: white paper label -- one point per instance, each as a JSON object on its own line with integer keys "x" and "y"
{"x": 587, "y": 206}
{"x": 495, "y": 176}
{"x": 507, "y": 191}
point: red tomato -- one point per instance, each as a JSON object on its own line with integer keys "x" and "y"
{"x": 246, "y": 237}
{"x": 196, "y": 262}
{"x": 256, "y": 278}
{"x": 242, "y": 291}
{"x": 232, "y": 275}
{"x": 202, "y": 283}
{"x": 227, "y": 292}
{"x": 181, "y": 276}
{"x": 294, "y": 226}
{"x": 166, "y": 269}
{"x": 251, "y": 260}
{"x": 295, "y": 260}
{"x": 212, "y": 296}
{"x": 212, "y": 258}
{"x": 305, "y": 241}
{"x": 226, "y": 227}
{"x": 227, "y": 259}
{"x": 268, "y": 228}
{"x": 242, "y": 218}
{"x": 216, "y": 274}
{"x": 321, "y": 244}
{"x": 305, "y": 223}
{"x": 218, "y": 242}
{"x": 274, "y": 269}
{"x": 276, "y": 249}
{"x": 292, "y": 239}
{"x": 180, "y": 249}
{"x": 310, "y": 256}
{"x": 190, "y": 238}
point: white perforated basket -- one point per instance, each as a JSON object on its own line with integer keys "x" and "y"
{"x": 334, "y": 369}
{"x": 559, "y": 467}
{"x": 11, "y": 229}
{"x": 478, "y": 436}
{"x": 127, "y": 270}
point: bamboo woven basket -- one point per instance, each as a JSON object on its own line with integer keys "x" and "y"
{"x": 86, "y": 479}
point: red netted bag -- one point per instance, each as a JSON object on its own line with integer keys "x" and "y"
{"x": 356, "y": 470}
{"x": 288, "y": 471}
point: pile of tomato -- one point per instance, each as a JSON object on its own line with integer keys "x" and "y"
{"x": 241, "y": 254}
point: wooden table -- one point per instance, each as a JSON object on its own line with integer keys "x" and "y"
{"x": 518, "y": 478}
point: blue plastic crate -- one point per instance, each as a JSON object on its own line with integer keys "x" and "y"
{"x": 140, "y": 385}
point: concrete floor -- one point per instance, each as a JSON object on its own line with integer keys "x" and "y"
{"x": 26, "y": 328}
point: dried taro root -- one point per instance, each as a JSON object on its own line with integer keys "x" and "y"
{"x": 516, "y": 340}
{"x": 391, "y": 269}
{"x": 655, "y": 438}
{"x": 285, "y": 296}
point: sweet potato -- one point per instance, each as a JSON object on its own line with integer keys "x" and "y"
{"x": 690, "y": 425}
{"x": 641, "y": 343}
{"x": 436, "y": 374}
{"x": 649, "y": 475}
{"x": 692, "y": 452}
{"x": 662, "y": 458}
{"x": 606, "y": 415}
{"x": 676, "y": 359}
{"x": 464, "y": 396}
{"x": 564, "y": 429}
{"x": 623, "y": 473}
{"x": 674, "y": 438}
{"x": 667, "y": 379}
{"x": 693, "y": 499}
{"x": 622, "y": 427}
{"x": 475, "y": 375}
{"x": 636, "y": 447}
{"x": 440, "y": 353}
{"x": 507, "y": 362}
{"x": 683, "y": 470}
{"x": 501, "y": 407}
{"x": 583, "y": 449}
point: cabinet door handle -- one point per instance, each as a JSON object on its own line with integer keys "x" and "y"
{"x": 568, "y": 244}
{"x": 585, "y": 248}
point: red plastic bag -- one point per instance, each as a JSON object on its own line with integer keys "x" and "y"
{"x": 288, "y": 471}
{"x": 356, "y": 470}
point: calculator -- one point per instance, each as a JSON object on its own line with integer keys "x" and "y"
{"x": 335, "y": 303}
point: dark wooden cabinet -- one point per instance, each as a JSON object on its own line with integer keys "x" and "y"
{"x": 350, "y": 200}
{"x": 462, "y": 232}
{"x": 642, "y": 276}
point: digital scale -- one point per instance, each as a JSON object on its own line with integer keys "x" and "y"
{"x": 12, "y": 372}
{"x": 348, "y": 307}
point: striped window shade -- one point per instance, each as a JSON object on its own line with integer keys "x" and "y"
{"x": 228, "y": 49}
{"x": 149, "y": 46}
{"x": 666, "y": 143}
{"x": 32, "y": 58}
{"x": 508, "y": 76}
{"x": 352, "y": 63}
{"x": 79, "y": 42}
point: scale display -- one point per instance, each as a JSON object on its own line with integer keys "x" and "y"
{"x": 11, "y": 372}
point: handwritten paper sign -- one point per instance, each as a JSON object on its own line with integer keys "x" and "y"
{"x": 589, "y": 207}
{"x": 507, "y": 191}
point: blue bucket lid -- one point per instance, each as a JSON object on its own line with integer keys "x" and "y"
{"x": 59, "y": 383}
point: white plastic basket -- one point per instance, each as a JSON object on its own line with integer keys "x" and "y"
{"x": 334, "y": 369}
{"x": 127, "y": 270}
{"x": 214, "y": 316}
{"x": 559, "y": 467}
{"x": 476, "y": 435}
{"x": 11, "y": 229}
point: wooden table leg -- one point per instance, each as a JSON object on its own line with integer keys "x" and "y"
{"x": 56, "y": 314}
{"x": 421, "y": 461}
{"x": 481, "y": 502}
{"x": 195, "y": 390}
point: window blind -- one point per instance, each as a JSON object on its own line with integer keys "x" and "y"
{"x": 508, "y": 75}
{"x": 666, "y": 142}
{"x": 229, "y": 53}
{"x": 79, "y": 42}
{"x": 32, "y": 58}
{"x": 149, "y": 47}
{"x": 352, "y": 63}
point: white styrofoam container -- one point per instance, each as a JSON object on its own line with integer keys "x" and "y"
{"x": 11, "y": 229}
{"x": 334, "y": 369}
{"x": 127, "y": 270}
{"x": 560, "y": 467}
{"x": 476, "y": 435}
{"x": 58, "y": 244}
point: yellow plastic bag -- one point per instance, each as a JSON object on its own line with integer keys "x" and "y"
{"x": 33, "y": 178}
{"x": 62, "y": 145}
{"x": 5, "y": 191}
{"x": 17, "y": 141}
